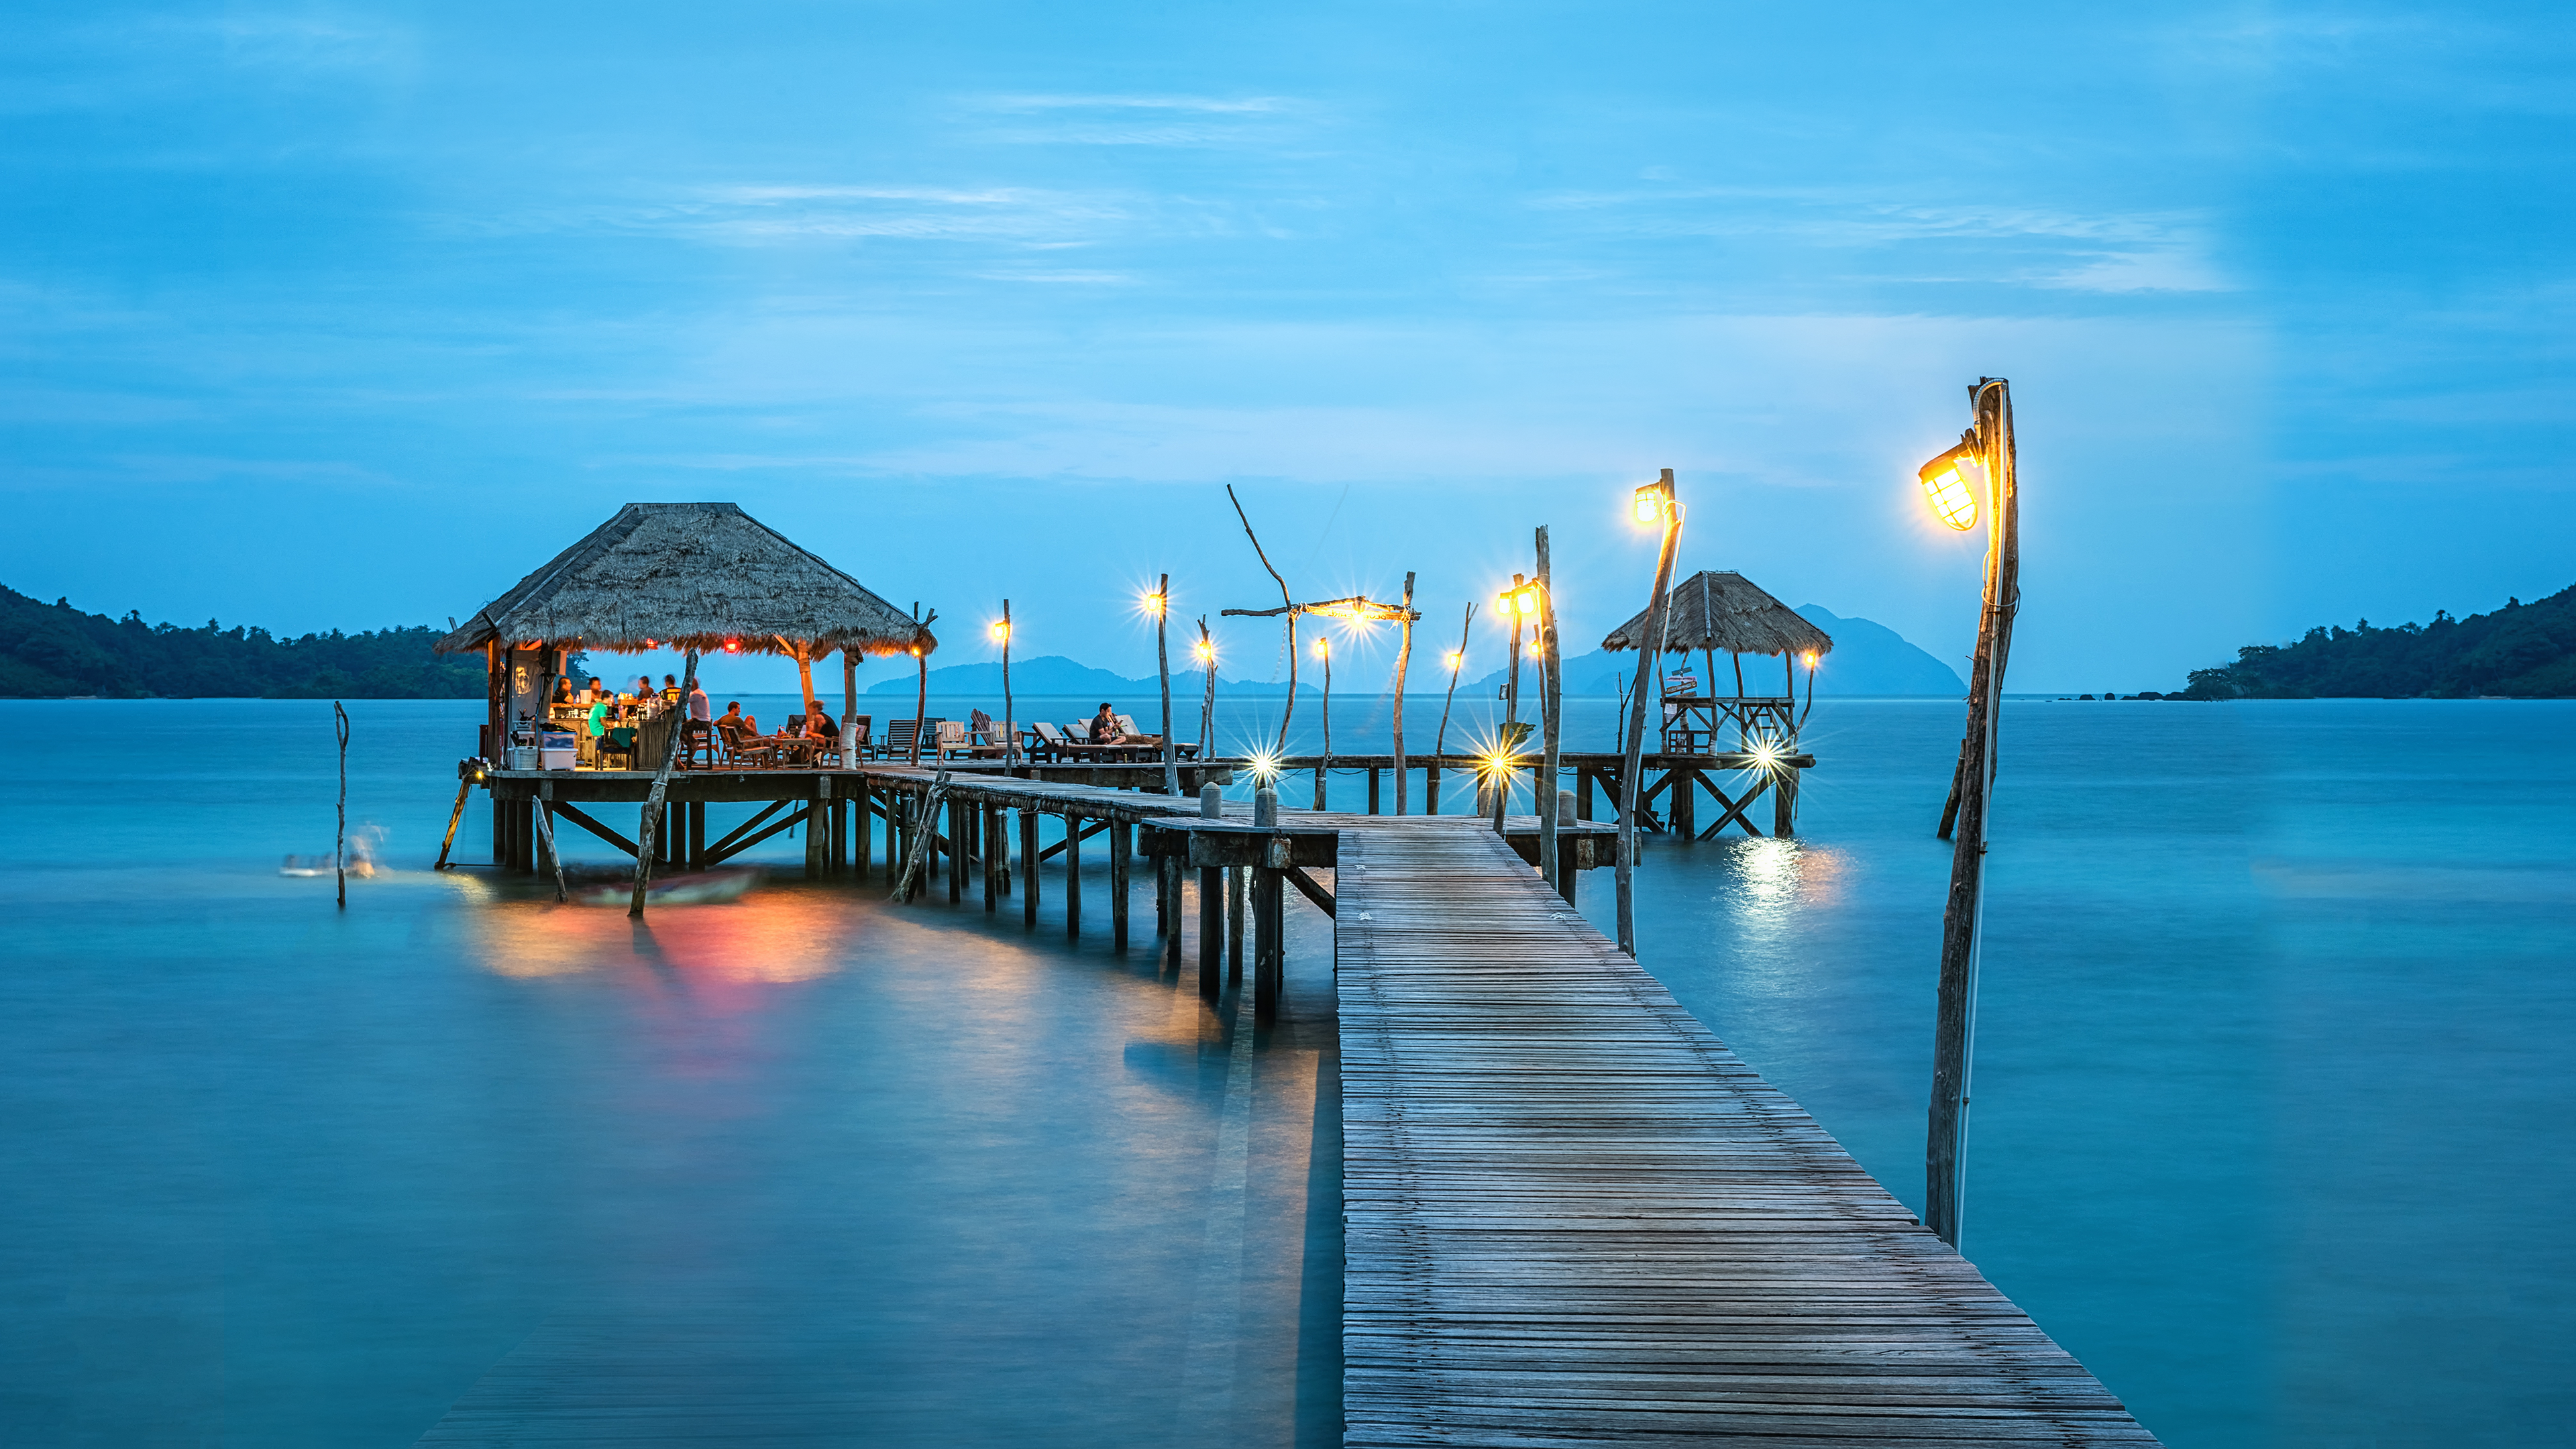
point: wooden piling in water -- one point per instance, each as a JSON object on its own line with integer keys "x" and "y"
{"x": 1122, "y": 850}
{"x": 1028, "y": 866}
{"x": 1072, "y": 875}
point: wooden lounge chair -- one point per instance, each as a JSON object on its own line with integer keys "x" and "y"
{"x": 900, "y": 733}
{"x": 951, "y": 739}
{"x": 1045, "y": 743}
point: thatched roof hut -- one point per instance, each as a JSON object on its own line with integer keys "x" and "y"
{"x": 1720, "y": 610}
{"x": 703, "y": 576}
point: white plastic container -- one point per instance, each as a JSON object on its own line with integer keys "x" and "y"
{"x": 524, "y": 757}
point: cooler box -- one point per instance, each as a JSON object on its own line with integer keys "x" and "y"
{"x": 523, "y": 757}
{"x": 558, "y": 750}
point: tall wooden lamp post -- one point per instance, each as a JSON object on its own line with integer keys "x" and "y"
{"x": 1979, "y": 471}
{"x": 1654, "y": 505}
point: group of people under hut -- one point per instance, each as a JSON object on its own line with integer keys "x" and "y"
{"x": 605, "y": 720}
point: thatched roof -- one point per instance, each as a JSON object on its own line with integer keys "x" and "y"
{"x": 1723, "y": 610}
{"x": 691, "y": 576}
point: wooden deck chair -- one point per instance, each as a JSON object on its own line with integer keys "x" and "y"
{"x": 697, "y": 745}
{"x": 745, "y": 752}
{"x": 951, "y": 737}
{"x": 899, "y": 736}
{"x": 1046, "y": 742}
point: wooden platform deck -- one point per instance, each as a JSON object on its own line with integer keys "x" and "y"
{"x": 1573, "y": 1217}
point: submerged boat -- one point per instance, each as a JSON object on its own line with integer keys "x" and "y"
{"x": 696, "y": 888}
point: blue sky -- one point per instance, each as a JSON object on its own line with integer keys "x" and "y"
{"x": 349, "y": 315}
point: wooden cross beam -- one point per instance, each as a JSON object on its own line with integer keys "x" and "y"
{"x": 1357, "y": 606}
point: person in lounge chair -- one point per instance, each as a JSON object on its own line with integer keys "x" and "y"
{"x": 1104, "y": 726}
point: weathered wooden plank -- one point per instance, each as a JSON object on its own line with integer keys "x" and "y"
{"x": 1573, "y": 1217}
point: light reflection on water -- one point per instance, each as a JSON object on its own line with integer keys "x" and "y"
{"x": 313, "y": 1177}
{"x": 774, "y": 936}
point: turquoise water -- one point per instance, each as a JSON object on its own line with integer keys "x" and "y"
{"x": 2271, "y": 1129}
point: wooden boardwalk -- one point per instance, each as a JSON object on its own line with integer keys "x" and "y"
{"x": 1574, "y": 1217}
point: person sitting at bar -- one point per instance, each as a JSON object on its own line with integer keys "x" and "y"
{"x": 601, "y": 702}
{"x": 698, "y": 701}
{"x": 1104, "y": 726}
{"x": 670, "y": 689}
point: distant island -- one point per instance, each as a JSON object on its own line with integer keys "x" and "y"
{"x": 54, "y": 650}
{"x": 2526, "y": 651}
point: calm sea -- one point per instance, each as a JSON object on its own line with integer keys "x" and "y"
{"x": 2272, "y": 1126}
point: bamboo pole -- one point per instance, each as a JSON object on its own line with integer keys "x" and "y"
{"x": 1510, "y": 751}
{"x": 340, "y": 831}
{"x": 544, "y": 815}
{"x": 1207, "y": 707}
{"x": 1649, "y": 653}
{"x": 1551, "y": 695}
{"x": 650, "y": 827}
{"x": 1440, "y": 741}
{"x": 1955, "y": 1024}
{"x": 1010, "y": 723}
{"x": 1288, "y": 710}
{"x": 1163, "y": 672}
{"x": 453, "y": 817}
{"x": 1324, "y": 761}
{"x": 1403, "y": 660}
{"x": 925, "y": 827}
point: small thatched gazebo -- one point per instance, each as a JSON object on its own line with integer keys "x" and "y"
{"x": 1720, "y": 609}
{"x": 700, "y": 576}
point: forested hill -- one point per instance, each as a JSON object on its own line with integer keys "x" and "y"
{"x": 2527, "y": 650}
{"x": 49, "y": 650}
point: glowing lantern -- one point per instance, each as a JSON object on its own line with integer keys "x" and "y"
{"x": 1952, "y": 482}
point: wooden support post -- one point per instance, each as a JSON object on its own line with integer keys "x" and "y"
{"x": 1568, "y": 854}
{"x": 1431, "y": 788}
{"x": 1683, "y": 805}
{"x": 1212, "y": 895}
{"x": 1582, "y": 794}
{"x": 1072, "y": 875}
{"x": 1372, "y": 789}
{"x": 1234, "y": 925}
{"x": 1211, "y": 928}
{"x": 961, "y": 811}
{"x": 1162, "y": 896}
{"x": 818, "y": 833}
{"x": 1028, "y": 866}
{"x": 992, "y": 866}
{"x": 1269, "y": 950}
{"x": 1784, "y": 803}
{"x": 1172, "y": 870}
{"x": 864, "y": 839}
{"x": 1122, "y": 851}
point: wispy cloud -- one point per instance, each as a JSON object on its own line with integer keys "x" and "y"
{"x": 2102, "y": 252}
{"x": 1134, "y": 120}
{"x": 1205, "y": 105}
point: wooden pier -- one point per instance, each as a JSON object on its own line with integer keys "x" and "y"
{"x": 1571, "y": 1215}
{"x": 1574, "y": 1217}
